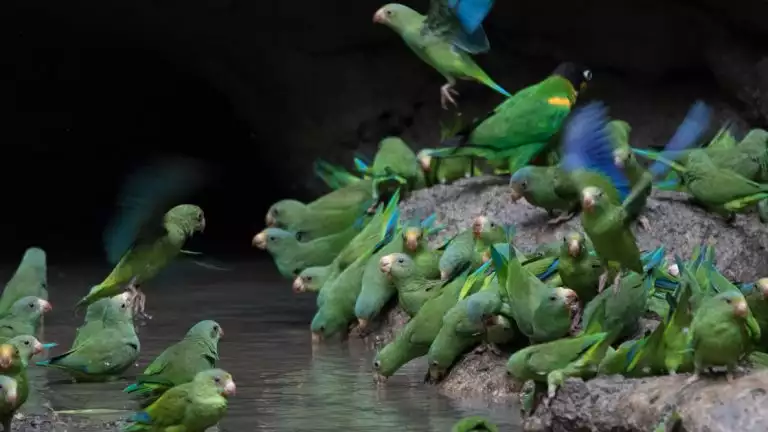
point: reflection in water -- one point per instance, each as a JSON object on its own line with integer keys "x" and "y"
{"x": 282, "y": 383}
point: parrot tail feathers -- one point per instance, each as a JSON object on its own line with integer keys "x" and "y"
{"x": 485, "y": 79}
{"x": 141, "y": 417}
{"x": 44, "y": 363}
{"x": 741, "y": 203}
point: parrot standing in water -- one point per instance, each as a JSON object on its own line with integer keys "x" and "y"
{"x": 605, "y": 190}
{"x": 445, "y": 39}
{"x": 14, "y": 362}
{"x": 522, "y": 128}
{"x": 24, "y": 317}
{"x": 30, "y": 279}
{"x": 146, "y": 236}
{"x": 94, "y": 317}
{"x": 723, "y": 331}
{"x": 9, "y": 400}
{"x": 195, "y": 406}
{"x": 179, "y": 363}
{"x": 107, "y": 353}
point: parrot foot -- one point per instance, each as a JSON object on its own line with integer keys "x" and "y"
{"x": 446, "y": 95}
{"x": 563, "y": 217}
{"x": 138, "y": 301}
{"x": 616, "y": 283}
{"x": 602, "y": 281}
{"x": 644, "y": 223}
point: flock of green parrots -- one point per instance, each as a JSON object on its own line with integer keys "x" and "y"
{"x": 568, "y": 309}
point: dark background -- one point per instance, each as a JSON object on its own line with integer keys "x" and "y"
{"x": 89, "y": 90}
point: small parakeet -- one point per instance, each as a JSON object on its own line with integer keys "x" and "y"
{"x": 24, "y": 317}
{"x": 150, "y": 228}
{"x": 180, "y": 362}
{"x": 467, "y": 247}
{"x": 579, "y": 268}
{"x": 474, "y": 424}
{"x": 108, "y": 352}
{"x": 520, "y": 129}
{"x": 413, "y": 287}
{"x": 311, "y": 279}
{"x": 395, "y": 167}
{"x": 417, "y": 336}
{"x": 9, "y": 400}
{"x": 14, "y": 359}
{"x": 94, "y": 316}
{"x": 445, "y": 39}
{"x": 625, "y": 160}
{"x": 195, "y": 406}
{"x": 605, "y": 190}
{"x": 30, "y": 279}
{"x": 334, "y": 176}
{"x": 292, "y": 256}
{"x": 326, "y": 215}
{"x": 537, "y": 185}
{"x": 723, "y": 331}
{"x": 446, "y": 170}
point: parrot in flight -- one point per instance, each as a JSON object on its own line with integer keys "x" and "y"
{"x": 151, "y": 227}
{"x": 445, "y": 39}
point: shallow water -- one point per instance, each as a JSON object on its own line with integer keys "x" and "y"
{"x": 282, "y": 382}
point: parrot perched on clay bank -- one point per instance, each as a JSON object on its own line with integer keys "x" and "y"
{"x": 444, "y": 39}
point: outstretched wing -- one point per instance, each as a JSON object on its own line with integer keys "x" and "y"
{"x": 459, "y": 21}
{"x": 146, "y": 196}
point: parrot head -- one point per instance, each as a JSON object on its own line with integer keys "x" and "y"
{"x": 328, "y": 321}
{"x": 673, "y": 270}
{"x": 274, "y": 240}
{"x": 411, "y": 236}
{"x": 284, "y": 212}
{"x": 762, "y": 285}
{"x": 396, "y": 16}
{"x": 590, "y": 197}
{"x": 483, "y": 225}
{"x": 573, "y": 243}
{"x": 388, "y": 360}
{"x": 425, "y": 159}
{"x": 578, "y": 75}
{"x": 219, "y": 378}
{"x": 309, "y": 280}
{"x": 30, "y": 306}
{"x": 736, "y": 301}
{"x": 8, "y": 389}
{"x": 207, "y": 329}
{"x": 519, "y": 182}
{"x": 188, "y": 216}
{"x": 7, "y": 352}
{"x": 565, "y": 295}
{"x": 621, "y": 156}
{"x": 396, "y": 265}
{"x": 26, "y": 346}
{"x": 34, "y": 257}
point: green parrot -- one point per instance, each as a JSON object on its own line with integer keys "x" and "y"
{"x": 311, "y": 279}
{"x": 377, "y": 288}
{"x": 194, "y": 406}
{"x": 329, "y": 214}
{"x": 537, "y": 185}
{"x": 179, "y": 363}
{"x": 635, "y": 172}
{"x": 474, "y": 424}
{"x": 9, "y": 400}
{"x": 604, "y": 188}
{"x": 413, "y": 287}
{"x": 394, "y": 167}
{"x": 107, "y": 353}
{"x": 446, "y": 170}
{"x": 23, "y": 318}
{"x": 334, "y": 176}
{"x": 30, "y": 279}
{"x": 145, "y": 235}
{"x": 722, "y": 332}
{"x": 445, "y": 39}
{"x": 14, "y": 359}
{"x": 579, "y": 268}
{"x": 419, "y": 333}
{"x": 292, "y": 256}
{"x": 94, "y": 317}
{"x": 756, "y": 295}
{"x": 467, "y": 247}
{"x": 520, "y": 129}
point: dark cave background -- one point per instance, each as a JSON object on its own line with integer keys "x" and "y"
{"x": 91, "y": 89}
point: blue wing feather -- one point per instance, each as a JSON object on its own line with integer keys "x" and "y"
{"x": 687, "y": 135}
{"x": 471, "y": 13}
{"x": 549, "y": 271}
{"x": 587, "y": 146}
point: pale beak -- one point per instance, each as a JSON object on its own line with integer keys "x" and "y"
{"x": 270, "y": 220}
{"x": 260, "y": 240}
{"x": 618, "y": 161}
{"x": 316, "y": 337}
{"x": 45, "y": 305}
{"x": 740, "y": 309}
{"x": 385, "y": 264}
{"x": 588, "y": 202}
{"x": 11, "y": 397}
{"x": 298, "y": 285}
{"x": 6, "y": 356}
{"x": 221, "y": 332}
{"x": 569, "y": 295}
{"x": 486, "y": 256}
{"x": 444, "y": 274}
{"x": 515, "y": 195}
{"x": 202, "y": 224}
{"x": 574, "y": 248}
{"x": 380, "y": 16}
{"x": 673, "y": 270}
{"x": 362, "y": 324}
{"x": 426, "y": 162}
{"x": 229, "y": 388}
{"x": 762, "y": 283}
{"x": 37, "y": 348}
{"x": 478, "y": 224}
{"x": 412, "y": 240}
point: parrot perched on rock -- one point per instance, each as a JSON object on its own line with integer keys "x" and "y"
{"x": 179, "y": 363}
{"x": 521, "y": 128}
{"x": 580, "y": 268}
{"x": 30, "y": 279}
{"x": 394, "y": 167}
{"x": 467, "y": 247}
{"x": 446, "y": 170}
{"x": 331, "y": 213}
{"x": 23, "y": 318}
{"x": 292, "y": 256}
{"x": 108, "y": 352}
{"x": 445, "y": 39}
{"x": 194, "y": 406}
{"x": 723, "y": 331}
{"x": 150, "y": 228}
{"x": 419, "y": 333}
{"x": 537, "y": 185}
{"x": 413, "y": 287}
{"x": 605, "y": 190}
{"x": 311, "y": 279}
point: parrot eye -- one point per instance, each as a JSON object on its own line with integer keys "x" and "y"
{"x": 377, "y": 364}
{"x": 272, "y": 238}
{"x": 26, "y": 342}
{"x": 400, "y": 260}
{"x": 217, "y": 379}
{"x": 275, "y": 212}
{"x": 31, "y": 305}
{"x": 587, "y": 75}
{"x": 389, "y": 13}
{"x": 552, "y": 297}
{"x": 309, "y": 278}
{"x": 493, "y": 224}
{"x": 299, "y": 235}
{"x": 524, "y": 184}
{"x": 728, "y": 301}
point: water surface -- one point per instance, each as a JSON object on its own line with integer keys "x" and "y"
{"x": 282, "y": 382}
